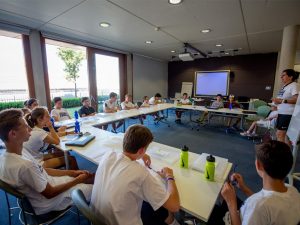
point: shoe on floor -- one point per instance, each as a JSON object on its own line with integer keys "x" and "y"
{"x": 244, "y": 134}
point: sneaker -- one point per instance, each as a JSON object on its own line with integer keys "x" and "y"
{"x": 244, "y": 134}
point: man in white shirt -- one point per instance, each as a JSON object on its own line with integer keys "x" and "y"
{"x": 46, "y": 189}
{"x": 59, "y": 113}
{"x": 111, "y": 106}
{"x": 277, "y": 203}
{"x": 126, "y": 192}
{"x": 127, "y": 105}
{"x": 183, "y": 101}
{"x": 156, "y": 99}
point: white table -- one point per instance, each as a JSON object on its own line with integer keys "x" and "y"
{"x": 106, "y": 118}
{"x": 197, "y": 196}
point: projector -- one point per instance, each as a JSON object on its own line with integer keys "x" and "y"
{"x": 186, "y": 57}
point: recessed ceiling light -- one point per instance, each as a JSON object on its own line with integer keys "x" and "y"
{"x": 219, "y": 45}
{"x": 173, "y": 51}
{"x": 148, "y": 42}
{"x": 104, "y": 24}
{"x": 226, "y": 53}
{"x": 206, "y": 31}
{"x": 175, "y": 2}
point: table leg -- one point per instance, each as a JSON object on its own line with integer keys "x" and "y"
{"x": 67, "y": 160}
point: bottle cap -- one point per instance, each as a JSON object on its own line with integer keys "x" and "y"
{"x": 185, "y": 148}
{"x": 210, "y": 158}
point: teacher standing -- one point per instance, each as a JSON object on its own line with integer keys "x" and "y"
{"x": 286, "y": 100}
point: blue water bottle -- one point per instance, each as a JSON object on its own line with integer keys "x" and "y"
{"x": 52, "y": 121}
{"x": 77, "y": 125}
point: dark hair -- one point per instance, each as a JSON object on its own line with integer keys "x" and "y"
{"x": 25, "y": 111}
{"x": 185, "y": 94}
{"x": 219, "y": 95}
{"x": 25, "y": 103}
{"x": 292, "y": 73}
{"x": 9, "y": 120}
{"x": 35, "y": 114}
{"x": 276, "y": 158}
{"x": 84, "y": 99}
{"x": 112, "y": 95}
{"x": 30, "y": 101}
{"x": 57, "y": 99}
{"x": 157, "y": 95}
{"x": 136, "y": 137}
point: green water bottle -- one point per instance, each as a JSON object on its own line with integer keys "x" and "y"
{"x": 184, "y": 157}
{"x": 209, "y": 172}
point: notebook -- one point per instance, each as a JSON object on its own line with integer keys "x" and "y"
{"x": 80, "y": 141}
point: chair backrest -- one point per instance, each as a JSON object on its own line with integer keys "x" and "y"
{"x": 81, "y": 203}
{"x": 263, "y": 111}
{"x": 23, "y": 202}
{"x": 259, "y": 103}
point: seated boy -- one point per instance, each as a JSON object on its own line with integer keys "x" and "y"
{"x": 218, "y": 103}
{"x": 183, "y": 101}
{"x": 86, "y": 109}
{"x": 111, "y": 106}
{"x": 59, "y": 113}
{"x": 127, "y": 105}
{"x": 268, "y": 122}
{"x": 156, "y": 99}
{"x": 46, "y": 189}
{"x": 126, "y": 192}
{"x": 277, "y": 203}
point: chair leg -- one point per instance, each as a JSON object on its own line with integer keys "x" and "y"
{"x": 8, "y": 208}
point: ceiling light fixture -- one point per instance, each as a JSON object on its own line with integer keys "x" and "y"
{"x": 148, "y": 42}
{"x": 173, "y": 51}
{"x": 219, "y": 45}
{"x": 175, "y": 2}
{"x": 226, "y": 53}
{"x": 105, "y": 24}
{"x": 206, "y": 31}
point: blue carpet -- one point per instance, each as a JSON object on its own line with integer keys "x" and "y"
{"x": 213, "y": 139}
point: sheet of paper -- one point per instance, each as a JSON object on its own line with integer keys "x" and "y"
{"x": 164, "y": 153}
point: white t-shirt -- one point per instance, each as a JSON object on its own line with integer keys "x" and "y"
{"x": 286, "y": 93}
{"x": 36, "y": 145}
{"x": 28, "y": 177}
{"x": 272, "y": 208}
{"x": 152, "y": 101}
{"x": 185, "y": 101}
{"x": 110, "y": 105}
{"x": 121, "y": 185}
{"x": 61, "y": 114}
{"x": 127, "y": 104}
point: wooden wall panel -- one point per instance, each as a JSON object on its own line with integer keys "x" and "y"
{"x": 250, "y": 74}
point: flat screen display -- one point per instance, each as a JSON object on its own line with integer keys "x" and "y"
{"x": 210, "y": 83}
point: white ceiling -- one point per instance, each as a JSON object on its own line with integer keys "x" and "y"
{"x": 134, "y": 21}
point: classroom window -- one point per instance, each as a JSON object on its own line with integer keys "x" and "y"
{"x": 67, "y": 70}
{"x": 107, "y": 76}
{"x": 13, "y": 85}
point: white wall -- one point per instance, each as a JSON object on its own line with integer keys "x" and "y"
{"x": 149, "y": 77}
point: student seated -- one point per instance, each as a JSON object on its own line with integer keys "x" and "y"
{"x": 277, "y": 203}
{"x": 31, "y": 103}
{"x": 39, "y": 141}
{"x": 59, "y": 113}
{"x": 233, "y": 104}
{"x": 183, "y": 101}
{"x": 111, "y": 106}
{"x": 86, "y": 109}
{"x": 46, "y": 189}
{"x": 127, "y": 105}
{"x": 156, "y": 99}
{"x": 218, "y": 103}
{"x": 268, "y": 122}
{"x": 127, "y": 192}
{"x": 145, "y": 102}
